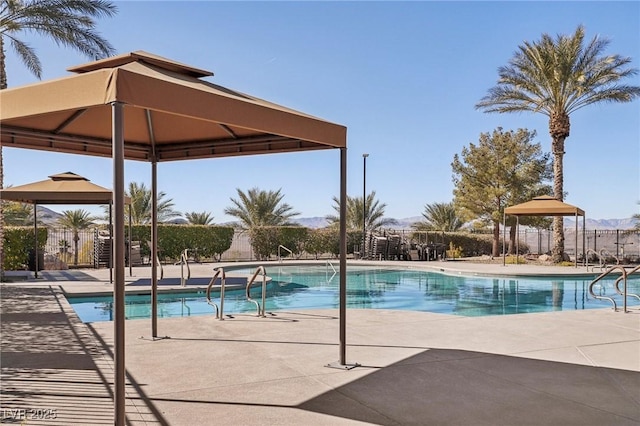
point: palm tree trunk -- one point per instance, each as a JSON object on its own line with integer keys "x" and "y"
{"x": 1, "y": 220}
{"x": 495, "y": 249}
{"x": 3, "y": 85}
{"x": 559, "y": 130}
{"x": 3, "y": 70}
{"x": 76, "y": 238}
{"x": 512, "y": 239}
{"x": 557, "y": 252}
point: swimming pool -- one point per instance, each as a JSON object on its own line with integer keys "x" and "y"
{"x": 317, "y": 287}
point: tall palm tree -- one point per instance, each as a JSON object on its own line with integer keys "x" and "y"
{"x": 75, "y": 220}
{"x": 374, "y": 212}
{"x": 556, "y": 77}
{"x": 195, "y": 218}
{"x": 261, "y": 208}
{"x": 141, "y": 205}
{"x": 440, "y": 217}
{"x": 67, "y": 22}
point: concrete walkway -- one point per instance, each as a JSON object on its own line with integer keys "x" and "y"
{"x": 555, "y": 368}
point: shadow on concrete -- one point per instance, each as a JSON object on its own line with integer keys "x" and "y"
{"x": 57, "y": 275}
{"x": 52, "y": 364}
{"x": 454, "y": 387}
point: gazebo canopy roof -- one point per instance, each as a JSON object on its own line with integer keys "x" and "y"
{"x": 63, "y": 188}
{"x": 544, "y": 206}
{"x": 170, "y": 113}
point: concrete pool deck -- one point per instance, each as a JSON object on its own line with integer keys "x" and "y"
{"x": 416, "y": 368}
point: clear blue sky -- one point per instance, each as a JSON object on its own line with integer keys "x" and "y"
{"x": 402, "y": 76}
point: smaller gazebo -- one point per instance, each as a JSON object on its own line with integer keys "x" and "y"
{"x": 543, "y": 205}
{"x": 63, "y": 188}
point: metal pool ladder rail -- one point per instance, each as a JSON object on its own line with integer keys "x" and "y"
{"x": 617, "y": 283}
{"x": 184, "y": 260}
{"x": 259, "y": 271}
{"x": 334, "y": 271}
{"x": 623, "y": 277}
{"x": 285, "y": 249}
{"x": 219, "y": 272}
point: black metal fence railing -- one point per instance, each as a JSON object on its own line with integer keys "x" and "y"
{"x": 90, "y": 248}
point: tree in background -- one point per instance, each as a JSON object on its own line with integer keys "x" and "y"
{"x": 18, "y": 214}
{"x": 556, "y": 78}
{"x": 67, "y": 22}
{"x": 75, "y": 220}
{"x": 260, "y": 208}
{"x": 439, "y": 217}
{"x": 374, "y": 213}
{"x": 141, "y": 205}
{"x": 504, "y": 168}
{"x": 195, "y": 218}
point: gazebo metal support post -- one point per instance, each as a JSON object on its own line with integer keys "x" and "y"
{"x": 111, "y": 248}
{"x": 504, "y": 239}
{"x": 584, "y": 241}
{"x": 342, "y": 363}
{"x": 154, "y": 248}
{"x": 517, "y": 237}
{"x": 129, "y": 248}
{"x": 118, "y": 289}
{"x": 343, "y": 256}
{"x": 35, "y": 230}
{"x": 576, "y": 239}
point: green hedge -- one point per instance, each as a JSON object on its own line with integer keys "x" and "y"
{"x": 468, "y": 244}
{"x": 266, "y": 240}
{"x": 209, "y": 241}
{"x": 18, "y": 241}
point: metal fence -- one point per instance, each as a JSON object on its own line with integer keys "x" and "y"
{"x": 623, "y": 244}
{"x": 92, "y": 247}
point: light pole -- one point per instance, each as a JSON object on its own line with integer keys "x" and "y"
{"x": 364, "y": 204}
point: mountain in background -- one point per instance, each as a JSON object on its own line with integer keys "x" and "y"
{"x": 321, "y": 222}
{"x": 47, "y": 216}
{"x": 628, "y": 223}
{"x": 50, "y": 217}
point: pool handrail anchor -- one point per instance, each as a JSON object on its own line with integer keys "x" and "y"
{"x": 285, "y": 249}
{"x": 624, "y": 293}
{"x": 184, "y": 260}
{"x": 259, "y": 270}
{"x": 219, "y": 310}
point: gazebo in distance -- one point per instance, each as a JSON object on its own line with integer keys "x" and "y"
{"x": 543, "y": 205}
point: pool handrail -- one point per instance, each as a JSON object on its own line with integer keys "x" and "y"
{"x": 286, "y": 249}
{"x": 334, "y": 271}
{"x": 158, "y": 264}
{"x": 611, "y": 269}
{"x": 219, "y": 310}
{"x": 617, "y": 283}
{"x": 600, "y": 260}
{"x": 259, "y": 270}
{"x": 184, "y": 260}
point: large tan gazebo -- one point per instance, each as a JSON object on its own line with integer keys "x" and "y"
{"x": 140, "y": 106}
{"x": 543, "y": 205}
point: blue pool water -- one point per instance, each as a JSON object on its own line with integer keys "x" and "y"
{"x": 317, "y": 287}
